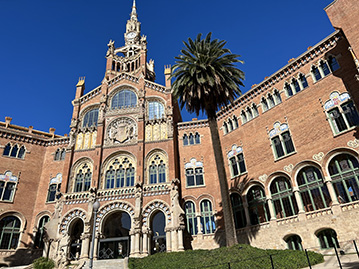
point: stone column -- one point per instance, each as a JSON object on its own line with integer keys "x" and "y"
{"x": 133, "y": 242}
{"x": 145, "y": 241}
{"x": 85, "y": 245}
{"x": 174, "y": 238}
{"x": 96, "y": 246}
{"x": 137, "y": 241}
{"x": 180, "y": 238}
{"x": 199, "y": 227}
{"x": 271, "y": 208}
{"x": 246, "y": 212}
{"x": 168, "y": 240}
{"x": 149, "y": 242}
{"x": 333, "y": 196}
{"x": 298, "y": 199}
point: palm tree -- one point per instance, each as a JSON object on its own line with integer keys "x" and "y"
{"x": 206, "y": 79}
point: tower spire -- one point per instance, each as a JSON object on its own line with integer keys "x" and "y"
{"x": 134, "y": 11}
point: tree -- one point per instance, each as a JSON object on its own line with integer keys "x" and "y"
{"x": 206, "y": 79}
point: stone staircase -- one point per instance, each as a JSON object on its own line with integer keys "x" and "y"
{"x": 108, "y": 264}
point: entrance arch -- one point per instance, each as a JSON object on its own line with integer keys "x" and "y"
{"x": 115, "y": 243}
{"x": 158, "y": 225}
{"x": 75, "y": 232}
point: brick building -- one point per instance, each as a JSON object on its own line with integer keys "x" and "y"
{"x": 290, "y": 143}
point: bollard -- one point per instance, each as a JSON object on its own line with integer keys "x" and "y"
{"x": 336, "y": 253}
{"x": 356, "y": 248}
{"x": 271, "y": 261}
{"x": 306, "y": 253}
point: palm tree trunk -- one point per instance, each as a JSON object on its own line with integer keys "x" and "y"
{"x": 230, "y": 231}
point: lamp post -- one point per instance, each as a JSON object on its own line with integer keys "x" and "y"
{"x": 95, "y": 207}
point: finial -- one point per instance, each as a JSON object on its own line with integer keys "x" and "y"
{"x": 134, "y": 13}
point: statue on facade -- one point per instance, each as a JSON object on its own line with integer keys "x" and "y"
{"x": 138, "y": 205}
{"x": 111, "y": 48}
{"x": 176, "y": 209}
{"x": 61, "y": 259}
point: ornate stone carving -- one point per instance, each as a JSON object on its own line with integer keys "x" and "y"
{"x": 263, "y": 178}
{"x": 111, "y": 48}
{"x": 318, "y": 157}
{"x": 288, "y": 168}
{"x": 353, "y": 143}
{"x": 121, "y": 131}
{"x": 177, "y": 211}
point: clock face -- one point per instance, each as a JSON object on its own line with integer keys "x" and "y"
{"x": 131, "y": 35}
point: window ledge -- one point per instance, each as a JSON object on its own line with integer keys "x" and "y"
{"x": 285, "y": 156}
{"x": 7, "y": 202}
{"x": 314, "y": 82}
{"x": 242, "y": 174}
{"x": 345, "y": 131}
{"x": 16, "y": 158}
{"x": 195, "y": 187}
{"x": 50, "y": 203}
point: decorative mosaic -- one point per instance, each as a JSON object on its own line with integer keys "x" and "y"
{"x": 288, "y": 168}
{"x": 278, "y": 128}
{"x": 336, "y": 99}
{"x": 235, "y": 150}
{"x": 318, "y": 157}
{"x": 193, "y": 163}
{"x": 353, "y": 143}
{"x": 57, "y": 179}
{"x": 152, "y": 207}
{"x": 77, "y": 213}
{"x": 8, "y": 177}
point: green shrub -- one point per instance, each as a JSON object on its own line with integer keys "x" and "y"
{"x": 239, "y": 256}
{"x": 43, "y": 263}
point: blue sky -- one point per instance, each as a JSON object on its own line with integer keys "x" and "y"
{"x": 47, "y": 45}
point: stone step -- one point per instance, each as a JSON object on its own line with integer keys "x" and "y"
{"x": 108, "y": 264}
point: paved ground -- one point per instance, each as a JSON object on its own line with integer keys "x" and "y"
{"x": 348, "y": 261}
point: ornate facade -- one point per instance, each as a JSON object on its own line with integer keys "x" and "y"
{"x": 290, "y": 143}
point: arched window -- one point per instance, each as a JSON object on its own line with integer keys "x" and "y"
{"x": 313, "y": 192}
{"x": 264, "y": 105}
{"x": 257, "y": 205}
{"x": 225, "y": 128}
{"x": 120, "y": 172}
{"x": 270, "y": 101}
{"x": 281, "y": 139}
{"x": 236, "y": 160}
{"x": 7, "y": 150}
{"x": 83, "y": 178}
{"x": 230, "y": 125}
{"x": 244, "y": 117}
{"x": 197, "y": 138}
{"x": 235, "y": 122}
{"x": 191, "y": 218}
{"x": 63, "y": 154}
{"x": 9, "y": 232}
{"x": 296, "y": 85}
{"x": 344, "y": 172}
{"x": 277, "y": 97}
{"x": 303, "y": 81}
{"x": 288, "y": 89}
{"x": 328, "y": 239}
{"x": 294, "y": 242}
{"x": 207, "y": 218}
{"x": 21, "y": 153}
{"x": 316, "y": 74}
{"x": 155, "y": 110}
{"x": 324, "y": 66}
{"x": 7, "y": 186}
{"x": 14, "y": 151}
{"x": 123, "y": 99}
{"x": 185, "y": 140}
{"x": 249, "y": 113}
{"x": 39, "y": 237}
{"x": 57, "y": 155}
{"x": 283, "y": 198}
{"x": 333, "y": 63}
{"x": 191, "y": 139}
{"x": 51, "y": 194}
{"x": 255, "y": 110}
{"x": 90, "y": 118}
{"x": 157, "y": 169}
{"x": 194, "y": 173}
{"x": 238, "y": 211}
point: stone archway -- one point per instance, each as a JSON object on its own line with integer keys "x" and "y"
{"x": 158, "y": 234}
{"x": 75, "y": 231}
{"x": 115, "y": 240}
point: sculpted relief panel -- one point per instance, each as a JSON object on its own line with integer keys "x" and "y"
{"x": 121, "y": 131}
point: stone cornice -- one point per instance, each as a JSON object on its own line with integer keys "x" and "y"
{"x": 192, "y": 124}
{"x": 90, "y": 95}
{"x": 155, "y": 86}
{"x": 122, "y": 76}
{"x": 283, "y": 73}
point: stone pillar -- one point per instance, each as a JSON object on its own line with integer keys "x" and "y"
{"x": 168, "y": 240}
{"x": 133, "y": 242}
{"x": 145, "y": 241}
{"x": 180, "y": 239}
{"x": 246, "y": 212}
{"x": 271, "y": 208}
{"x": 137, "y": 242}
{"x": 149, "y": 242}
{"x": 85, "y": 245}
{"x": 333, "y": 196}
{"x": 298, "y": 199}
{"x": 174, "y": 238}
{"x": 199, "y": 227}
{"x": 96, "y": 246}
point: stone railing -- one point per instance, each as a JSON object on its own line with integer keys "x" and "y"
{"x": 7, "y": 252}
{"x": 121, "y": 77}
{"x": 90, "y": 95}
{"x": 350, "y": 206}
{"x": 318, "y": 213}
{"x": 114, "y": 194}
{"x": 290, "y": 219}
{"x": 155, "y": 86}
{"x": 156, "y": 189}
{"x": 77, "y": 198}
